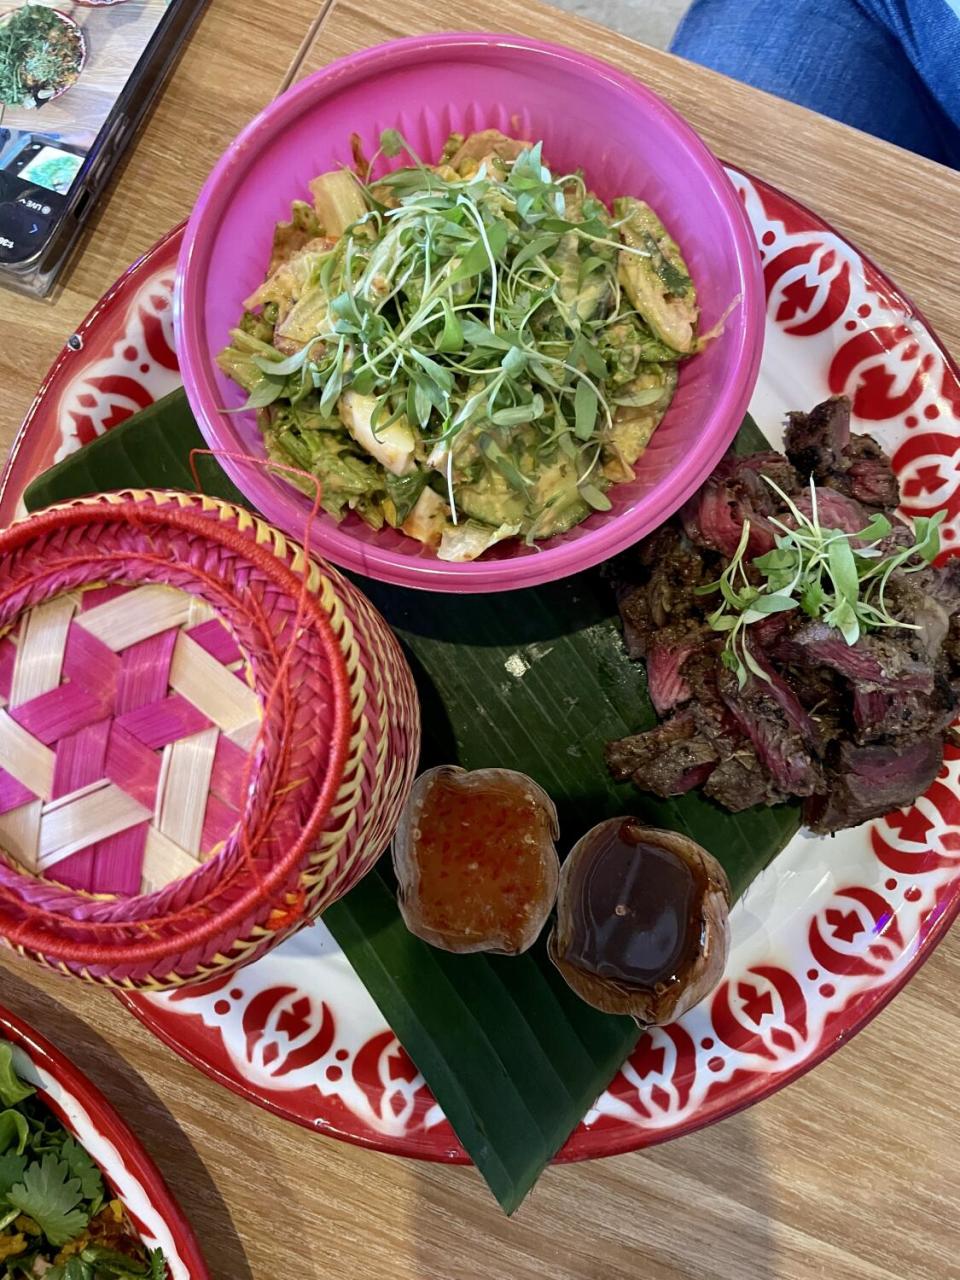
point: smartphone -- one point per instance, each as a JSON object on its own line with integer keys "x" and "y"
{"x": 76, "y": 80}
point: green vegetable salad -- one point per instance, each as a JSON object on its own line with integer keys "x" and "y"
{"x": 469, "y": 351}
{"x": 56, "y": 1218}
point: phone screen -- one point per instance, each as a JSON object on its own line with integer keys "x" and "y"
{"x": 52, "y": 169}
{"x": 62, "y": 68}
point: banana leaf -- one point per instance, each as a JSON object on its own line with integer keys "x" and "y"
{"x": 537, "y": 681}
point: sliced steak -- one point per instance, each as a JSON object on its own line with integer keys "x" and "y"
{"x": 951, "y": 646}
{"x": 814, "y": 441}
{"x": 834, "y": 510}
{"x": 775, "y": 467}
{"x": 669, "y": 760}
{"x": 868, "y": 474}
{"x": 819, "y": 445}
{"x": 868, "y": 782}
{"x": 740, "y": 782}
{"x": 770, "y": 715}
{"x": 872, "y": 708}
{"x": 660, "y": 589}
{"x": 710, "y": 713}
{"x": 943, "y": 583}
{"x": 816, "y": 687}
{"x": 894, "y": 660}
{"x": 666, "y": 655}
{"x": 854, "y": 730}
{"x": 916, "y": 598}
{"x": 737, "y": 493}
{"x": 895, "y": 714}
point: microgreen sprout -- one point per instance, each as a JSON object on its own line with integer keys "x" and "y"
{"x": 836, "y": 577}
{"x": 483, "y": 311}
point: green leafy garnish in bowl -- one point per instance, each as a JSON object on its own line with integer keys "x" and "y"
{"x": 56, "y": 1216}
{"x": 469, "y": 351}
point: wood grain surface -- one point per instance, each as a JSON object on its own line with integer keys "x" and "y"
{"x": 853, "y": 1172}
{"x": 238, "y": 57}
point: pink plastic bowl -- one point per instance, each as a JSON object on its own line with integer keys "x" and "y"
{"x": 627, "y": 141}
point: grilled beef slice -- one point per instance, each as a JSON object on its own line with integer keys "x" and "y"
{"x": 656, "y": 588}
{"x": 770, "y": 715}
{"x": 820, "y": 446}
{"x": 868, "y": 475}
{"x": 857, "y": 730}
{"x": 669, "y": 760}
{"x": 735, "y": 493}
{"x": 868, "y": 782}
{"x": 814, "y": 441}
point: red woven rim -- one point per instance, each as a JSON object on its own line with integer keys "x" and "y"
{"x": 36, "y": 937}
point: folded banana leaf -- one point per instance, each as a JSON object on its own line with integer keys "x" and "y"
{"x": 537, "y": 681}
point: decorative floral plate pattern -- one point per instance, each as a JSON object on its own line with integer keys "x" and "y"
{"x": 822, "y": 939}
{"x": 132, "y": 1175}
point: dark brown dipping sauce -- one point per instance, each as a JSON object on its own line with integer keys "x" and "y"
{"x": 637, "y": 911}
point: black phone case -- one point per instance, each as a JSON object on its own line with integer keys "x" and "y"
{"x": 38, "y": 274}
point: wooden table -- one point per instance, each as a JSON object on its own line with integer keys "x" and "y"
{"x": 853, "y": 1173}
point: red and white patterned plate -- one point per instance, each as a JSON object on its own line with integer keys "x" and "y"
{"x": 821, "y": 940}
{"x": 132, "y": 1175}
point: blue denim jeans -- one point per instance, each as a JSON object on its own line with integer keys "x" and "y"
{"x": 889, "y": 67}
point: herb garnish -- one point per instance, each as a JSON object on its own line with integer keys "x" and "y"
{"x": 839, "y": 578}
{"x": 449, "y": 235}
{"x": 485, "y": 317}
{"x": 53, "y": 1195}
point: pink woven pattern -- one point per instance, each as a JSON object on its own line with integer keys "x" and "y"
{"x": 331, "y": 767}
{"x": 124, "y": 738}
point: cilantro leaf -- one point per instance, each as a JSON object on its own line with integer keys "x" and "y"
{"x": 72, "y": 1269}
{"x": 51, "y": 1197}
{"x": 23, "y": 1265}
{"x": 108, "y": 1264}
{"x": 82, "y": 1168}
{"x": 813, "y": 599}
{"x": 12, "y": 1166}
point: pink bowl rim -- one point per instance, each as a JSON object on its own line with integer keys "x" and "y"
{"x": 282, "y": 507}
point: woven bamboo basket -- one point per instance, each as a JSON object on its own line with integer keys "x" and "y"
{"x": 206, "y": 738}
